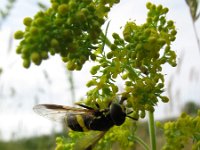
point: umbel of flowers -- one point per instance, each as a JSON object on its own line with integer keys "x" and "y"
{"x": 69, "y": 28}
{"x": 136, "y": 58}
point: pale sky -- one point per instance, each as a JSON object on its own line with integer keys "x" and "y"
{"x": 16, "y": 112}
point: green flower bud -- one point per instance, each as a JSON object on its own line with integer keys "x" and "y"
{"x": 170, "y": 23}
{"x": 159, "y": 8}
{"x": 115, "y": 36}
{"x": 127, "y": 37}
{"x": 59, "y": 21}
{"x": 25, "y": 50}
{"x": 160, "y": 85}
{"x": 149, "y": 107}
{"x": 148, "y": 5}
{"x": 114, "y": 88}
{"x": 113, "y": 47}
{"x": 65, "y": 59}
{"x": 19, "y": 50}
{"x": 165, "y": 10}
{"x": 26, "y": 63}
{"x": 142, "y": 114}
{"x": 173, "y": 32}
{"x": 55, "y": 5}
{"x": 128, "y": 83}
{"x": 79, "y": 67}
{"x": 172, "y": 38}
{"x": 138, "y": 47}
{"x": 124, "y": 76}
{"x": 44, "y": 55}
{"x": 18, "y": 35}
{"x": 164, "y": 99}
{"x": 91, "y": 83}
{"x": 40, "y": 21}
{"x": 54, "y": 43}
{"x": 27, "y": 21}
{"x": 106, "y": 90}
{"x": 72, "y": 4}
{"x": 94, "y": 69}
{"x": 93, "y": 57}
{"x": 147, "y": 32}
{"x": 35, "y": 57}
{"x": 80, "y": 17}
{"x": 109, "y": 55}
{"x": 149, "y": 20}
{"x": 152, "y": 39}
{"x": 70, "y": 65}
{"x": 34, "y": 30}
{"x": 63, "y": 9}
{"x": 161, "y": 41}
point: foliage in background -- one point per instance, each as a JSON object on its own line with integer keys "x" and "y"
{"x": 195, "y": 13}
{"x": 193, "y": 6}
{"x": 181, "y": 132}
{"x": 4, "y": 13}
{"x": 34, "y": 143}
{"x": 191, "y": 108}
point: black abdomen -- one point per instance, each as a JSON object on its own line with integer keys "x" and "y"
{"x": 89, "y": 122}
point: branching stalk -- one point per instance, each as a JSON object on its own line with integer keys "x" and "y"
{"x": 152, "y": 131}
{"x": 141, "y": 142}
{"x": 196, "y": 35}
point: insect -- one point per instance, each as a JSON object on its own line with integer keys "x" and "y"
{"x": 86, "y": 118}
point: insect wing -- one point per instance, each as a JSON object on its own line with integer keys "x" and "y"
{"x": 89, "y": 141}
{"x": 58, "y": 112}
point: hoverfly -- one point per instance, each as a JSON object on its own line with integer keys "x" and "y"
{"x": 85, "y": 118}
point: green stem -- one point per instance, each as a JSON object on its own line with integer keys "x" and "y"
{"x": 106, "y": 40}
{"x": 152, "y": 131}
{"x": 141, "y": 142}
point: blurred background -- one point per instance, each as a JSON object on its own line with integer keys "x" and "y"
{"x": 21, "y": 89}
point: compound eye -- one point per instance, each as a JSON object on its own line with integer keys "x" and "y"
{"x": 117, "y": 114}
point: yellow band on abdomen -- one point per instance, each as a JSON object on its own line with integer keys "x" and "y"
{"x": 81, "y": 122}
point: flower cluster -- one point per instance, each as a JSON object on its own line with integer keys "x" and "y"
{"x": 136, "y": 58}
{"x": 181, "y": 132}
{"x": 69, "y": 28}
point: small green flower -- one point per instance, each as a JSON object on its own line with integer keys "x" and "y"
{"x": 19, "y": 34}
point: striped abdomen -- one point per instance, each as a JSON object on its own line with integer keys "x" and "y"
{"x": 84, "y": 122}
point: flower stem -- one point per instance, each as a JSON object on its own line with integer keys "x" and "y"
{"x": 106, "y": 41}
{"x": 152, "y": 131}
{"x": 141, "y": 142}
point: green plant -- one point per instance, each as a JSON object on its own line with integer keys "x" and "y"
{"x": 181, "y": 132}
{"x": 73, "y": 30}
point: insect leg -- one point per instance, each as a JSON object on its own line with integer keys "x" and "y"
{"x": 132, "y": 118}
{"x": 84, "y": 106}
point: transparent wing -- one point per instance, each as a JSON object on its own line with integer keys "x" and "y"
{"x": 58, "y": 112}
{"x": 89, "y": 141}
